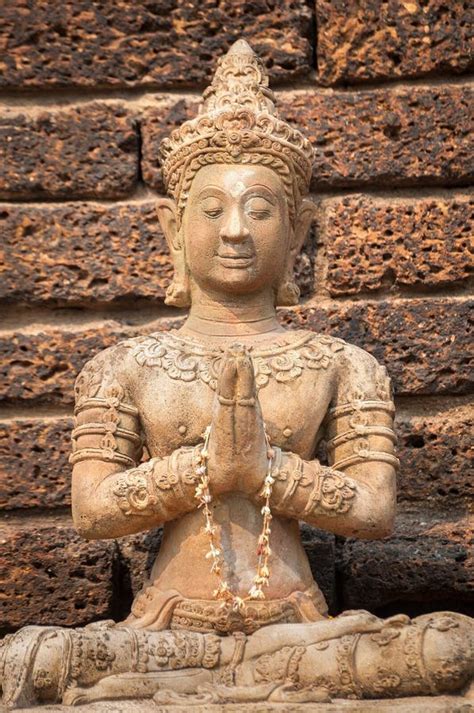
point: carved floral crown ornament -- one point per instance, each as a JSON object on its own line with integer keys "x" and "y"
{"x": 237, "y": 123}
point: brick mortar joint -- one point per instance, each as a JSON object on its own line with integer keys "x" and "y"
{"x": 145, "y": 98}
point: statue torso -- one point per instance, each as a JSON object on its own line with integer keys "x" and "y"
{"x": 172, "y": 381}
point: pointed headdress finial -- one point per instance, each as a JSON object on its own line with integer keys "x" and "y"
{"x": 237, "y": 123}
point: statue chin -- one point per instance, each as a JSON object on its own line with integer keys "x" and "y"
{"x": 231, "y": 421}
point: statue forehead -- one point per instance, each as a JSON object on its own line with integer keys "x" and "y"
{"x": 236, "y": 178}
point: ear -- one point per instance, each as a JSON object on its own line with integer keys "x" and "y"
{"x": 168, "y": 216}
{"x": 178, "y": 293}
{"x": 305, "y": 215}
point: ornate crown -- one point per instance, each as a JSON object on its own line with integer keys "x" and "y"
{"x": 237, "y": 123}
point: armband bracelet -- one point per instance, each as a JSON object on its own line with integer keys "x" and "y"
{"x": 154, "y": 485}
{"x": 291, "y": 470}
{"x": 333, "y": 493}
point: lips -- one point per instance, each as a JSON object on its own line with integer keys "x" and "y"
{"x": 231, "y": 260}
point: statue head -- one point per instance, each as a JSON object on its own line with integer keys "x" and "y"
{"x": 237, "y": 176}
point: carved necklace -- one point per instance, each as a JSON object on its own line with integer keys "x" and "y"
{"x": 203, "y": 495}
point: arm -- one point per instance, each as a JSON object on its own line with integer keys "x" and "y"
{"x": 355, "y": 495}
{"x": 112, "y": 494}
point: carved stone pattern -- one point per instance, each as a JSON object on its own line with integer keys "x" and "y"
{"x": 134, "y": 490}
{"x": 274, "y": 666}
{"x": 413, "y": 652}
{"x": 348, "y": 686}
{"x": 237, "y": 123}
{"x": 203, "y": 616}
{"x": 113, "y": 395}
{"x": 362, "y": 426}
{"x": 386, "y": 636}
{"x": 93, "y": 374}
{"x": 387, "y": 682}
{"x": 451, "y": 671}
{"x": 185, "y": 360}
{"x": 102, "y": 656}
{"x": 176, "y": 650}
{"x": 333, "y": 493}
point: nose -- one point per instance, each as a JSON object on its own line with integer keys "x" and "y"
{"x": 234, "y": 229}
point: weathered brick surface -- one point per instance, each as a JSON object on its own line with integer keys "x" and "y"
{"x": 425, "y": 565}
{"x": 372, "y": 40}
{"x": 82, "y": 253}
{"x": 52, "y": 576}
{"x": 156, "y": 123}
{"x": 124, "y": 43}
{"x": 390, "y": 137}
{"x": 424, "y": 343}
{"x": 436, "y": 457}
{"x": 372, "y": 243}
{"x": 42, "y": 366}
{"x": 85, "y": 152}
{"x": 34, "y": 468}
{"x": 321, "y": 550}
{"x": 137, "y": 556}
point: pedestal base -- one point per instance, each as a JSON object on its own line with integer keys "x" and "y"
{"x": 418, "y": 704}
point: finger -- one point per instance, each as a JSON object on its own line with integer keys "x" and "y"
{"x": 246, "y": 389}
{"x": 227, "y": 381}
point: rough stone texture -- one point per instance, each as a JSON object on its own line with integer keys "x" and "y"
{"x": 42, "y": 366}
{"x": 321, "y": 550}
{"x": 82, "y": 253}
{"x": 137, "y": 556}
{"x": 390, "y": 137}
{"x": 374, "y": 244}
{"x": 429, "y": 564}
{"x": 156, "y": 123}
{"x": 34, "y": 468}
{"x": 436, "y": 458}
{"x": 417, "y": 704}
{"x": 386, "y": 137}
{"x": 425, "y": 344}
{"x": 387, "y": 40}
{"x": 85, "y": 152}
{"x": 162, "y": 44}
{"x": 52, "y": 576}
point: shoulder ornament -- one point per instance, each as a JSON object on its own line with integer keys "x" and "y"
{"x": 186, "y": 359}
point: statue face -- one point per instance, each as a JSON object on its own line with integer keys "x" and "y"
{"x": 236, "y": 228}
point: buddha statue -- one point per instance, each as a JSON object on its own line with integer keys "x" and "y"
{"x": 231, "y": 408}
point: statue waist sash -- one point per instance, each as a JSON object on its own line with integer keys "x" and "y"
{"x": 157, "y": 610}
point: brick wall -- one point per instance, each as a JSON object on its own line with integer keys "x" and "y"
{"x": 87, "y": 90}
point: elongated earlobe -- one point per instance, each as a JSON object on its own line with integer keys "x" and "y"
{"x": 178, "y": 293}
{"x": 288, "y": 292}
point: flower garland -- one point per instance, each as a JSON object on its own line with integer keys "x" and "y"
{"x": 203, "y": 495}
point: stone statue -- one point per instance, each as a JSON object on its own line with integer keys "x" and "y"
{"x": 231, "y": 408}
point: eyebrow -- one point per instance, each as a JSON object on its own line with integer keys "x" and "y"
{"x": 210, "y": 188}
{"x": 263, "y": 189}
{"x": 256, "y": 187}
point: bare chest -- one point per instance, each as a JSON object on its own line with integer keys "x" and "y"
{"x": 174, "y": 388}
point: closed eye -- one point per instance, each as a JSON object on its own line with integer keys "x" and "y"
{"x": 213, "y": 213}
{"x": 259, "y": 214}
